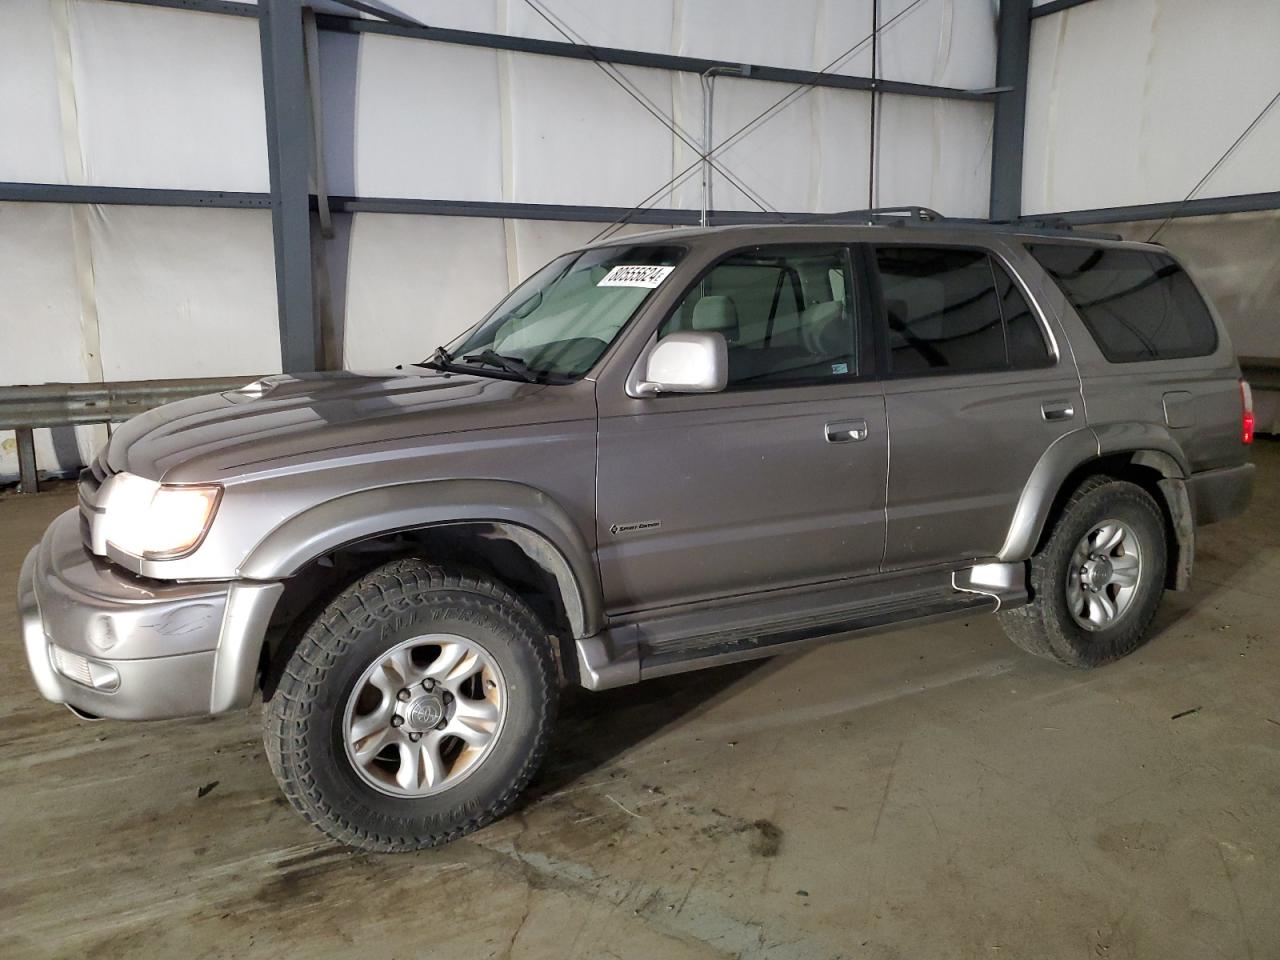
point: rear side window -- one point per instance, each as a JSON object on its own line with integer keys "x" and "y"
{"x": 953, "y": 310}
{"x": 1137, "y": 304}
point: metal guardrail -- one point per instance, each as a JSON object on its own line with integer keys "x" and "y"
{"x": 26, "y": 408}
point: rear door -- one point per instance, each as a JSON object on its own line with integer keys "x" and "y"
{"x": 776, "y": 481}
{"x": 1153, "y": 353}
{"x": 975, "y": 393}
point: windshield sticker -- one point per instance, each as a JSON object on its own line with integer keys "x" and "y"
{"x": 635, "y": 276}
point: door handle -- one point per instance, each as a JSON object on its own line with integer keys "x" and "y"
{"x": 845, "y": 431}
{"x": 1057, "y": 410}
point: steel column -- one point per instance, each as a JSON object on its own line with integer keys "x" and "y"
{"x": 1013, "y": 38}
{"x": 284, "y": 85}
{"x": 28, "y": 478}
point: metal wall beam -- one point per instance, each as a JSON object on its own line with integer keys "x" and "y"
{"x": 139, "y": 196}
{"x": 132, "y": 196}
{"x": 288, "y": 112}
{"x": 202, "y": 6}
{"x": 577, "y": 51}
{"x": 148, "y": 196}
{"x": 1203, "y": 207}
{"x": 1013, "y": 39}
{"x": 1055, "y": 6}
{"x": 643, "y": 58}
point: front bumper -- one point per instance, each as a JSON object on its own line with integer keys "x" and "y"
{"x": 114, "y": 645}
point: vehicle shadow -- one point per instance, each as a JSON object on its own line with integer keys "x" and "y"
{"x": 594, "y": 729}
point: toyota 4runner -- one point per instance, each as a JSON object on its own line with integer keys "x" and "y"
{"x": 658, "y": 454}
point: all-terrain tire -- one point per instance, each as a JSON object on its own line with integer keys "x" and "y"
{"x": 1045, "y": 626}
{"x": 303, "y": 721}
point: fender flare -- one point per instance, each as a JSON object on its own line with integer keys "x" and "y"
{"x": 1148, "y": 445}
{"x": 536, "y": 523}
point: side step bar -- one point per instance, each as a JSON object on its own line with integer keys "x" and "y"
{"x": 624, "y": 654}
{"x": 660, "y": 660}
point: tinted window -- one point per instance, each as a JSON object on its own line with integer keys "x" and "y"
{"x": 786, "y": 313}
{"x": 1138, "y": 304}
{"x": 954, "y": 310}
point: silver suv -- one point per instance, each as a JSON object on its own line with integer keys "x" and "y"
{"x": 658, "y": 454}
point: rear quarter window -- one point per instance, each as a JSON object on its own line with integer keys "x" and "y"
{"x": 1137, "y": 304}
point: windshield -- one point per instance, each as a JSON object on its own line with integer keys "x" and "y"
{"x": 562, "y": 319}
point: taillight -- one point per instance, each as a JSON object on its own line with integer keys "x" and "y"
{"x": 1246, "y": 412}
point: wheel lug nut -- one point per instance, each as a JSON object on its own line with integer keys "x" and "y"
{"x": 397, "y": 720}
{"x": 403, "y": 695}
{"x": 448, "y": 697}
{"x": 442, "y": 724}
{"x": 428, "y": 684}
{"x": 415, "y": 737}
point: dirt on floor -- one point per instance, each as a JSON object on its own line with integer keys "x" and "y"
{"x": 931, "y": 793}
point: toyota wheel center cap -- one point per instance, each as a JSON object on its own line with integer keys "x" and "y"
{"x": 424, "y": 713}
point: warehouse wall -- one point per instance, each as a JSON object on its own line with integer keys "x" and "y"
{"x": 117, "y": 94}
{"x": 1133, "y": 101}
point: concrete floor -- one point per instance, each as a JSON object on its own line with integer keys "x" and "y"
{"x": 931, "y": 793}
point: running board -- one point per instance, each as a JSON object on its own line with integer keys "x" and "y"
{"x": 766, "y": 626}
{"x": 732, "y": 646}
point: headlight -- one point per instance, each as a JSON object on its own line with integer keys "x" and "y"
{"x": 158, "y": 521}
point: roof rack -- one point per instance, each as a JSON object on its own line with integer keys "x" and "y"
{"x": 872, "y": 214}
{"x": 914, "y": 215}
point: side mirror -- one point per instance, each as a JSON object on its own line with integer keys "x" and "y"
{"x": 689, "y": 361}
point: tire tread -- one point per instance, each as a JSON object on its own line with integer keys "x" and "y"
{"x": 374, "y": 598}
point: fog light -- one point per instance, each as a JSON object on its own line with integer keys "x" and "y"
{"x": 90, "y": 673}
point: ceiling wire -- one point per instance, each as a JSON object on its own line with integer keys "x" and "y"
{"x": 638, "y": 95}
{"x": 759, "y": 118}
{"x": 1214, "y": 169}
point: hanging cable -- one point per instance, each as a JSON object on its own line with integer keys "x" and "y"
{"x": 1214, "y": 169}
{"x": 871, "y": 159}
{"x": 755, "y": 121}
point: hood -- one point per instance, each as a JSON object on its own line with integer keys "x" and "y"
{"x": 287, "y": 419}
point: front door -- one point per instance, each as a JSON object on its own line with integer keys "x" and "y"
{"x": 778, "y": 480}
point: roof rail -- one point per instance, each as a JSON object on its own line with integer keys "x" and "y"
{"x": 915, "y": 215}
{"x": 872, "y": 214}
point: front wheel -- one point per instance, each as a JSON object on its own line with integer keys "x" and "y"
{"x": 415, "y": 708}
{"x": 1097, "y": 581}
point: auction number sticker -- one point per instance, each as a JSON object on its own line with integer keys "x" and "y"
{"x": 635, "y": 276}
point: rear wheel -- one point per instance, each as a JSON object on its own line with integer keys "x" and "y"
{"x": 1097, "y": 581}
{"x": 416, "y": 707}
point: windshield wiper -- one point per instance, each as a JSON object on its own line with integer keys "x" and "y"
{"x": 512, "y": 365}
{"x": 440, "y": 359}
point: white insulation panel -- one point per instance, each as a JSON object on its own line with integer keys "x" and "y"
{"x": 435, "y": 120}
{"x": 577, "y": 138}
{"x": 1134, "y": 102}
{"x": 936, "y": 153}
{"x": 414, "y": 282}
{"x": 958, "y": 35}
{"x": 168, "y": 98}
{"x": 427, "y": 123}
{"x": 31, "y": 147}
{"x": 184, "y": 292}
